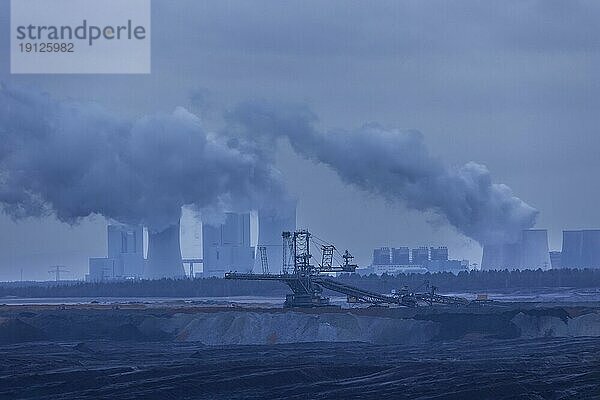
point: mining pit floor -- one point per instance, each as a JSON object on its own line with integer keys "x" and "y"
{"x": 185, "y": 350}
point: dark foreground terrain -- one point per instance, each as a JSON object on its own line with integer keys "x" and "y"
{"x": 194, "y": 351}
{"x": 498, "y": 369}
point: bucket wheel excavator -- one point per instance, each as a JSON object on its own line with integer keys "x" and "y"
{"x": 307, "y": 280}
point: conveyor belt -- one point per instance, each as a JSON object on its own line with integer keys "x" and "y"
{"x": 360, "y": 295}
{"x": 300, "y": 284}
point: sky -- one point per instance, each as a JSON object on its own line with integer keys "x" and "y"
{"x": 512, "y": 85}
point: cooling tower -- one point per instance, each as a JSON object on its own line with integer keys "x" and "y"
{"x": 571, "y": 249}
{"x": 556, "y": 259}
{"x": 271, "y": 223}
{"x": 534, "y": 249}
{"x": 590, "y": 248}
{"x": 164, "y": 254}
{"x": 492, "y": 257}
{"x": 530, "y": 252}
{"x": 581, "y": 249}
{"x": 501, "y": 256}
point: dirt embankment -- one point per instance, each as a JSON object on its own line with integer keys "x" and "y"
{"x": 231, "y": 326}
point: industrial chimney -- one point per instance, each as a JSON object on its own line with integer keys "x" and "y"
{"x": 164, "y": 254}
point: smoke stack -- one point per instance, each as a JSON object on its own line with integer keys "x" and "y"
{"x": 164, "y": 254}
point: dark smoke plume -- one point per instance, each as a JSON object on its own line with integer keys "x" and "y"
{"x": 76, "y": 159}
{"x": 397, "y": 166}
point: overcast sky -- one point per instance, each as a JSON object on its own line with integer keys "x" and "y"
{"x": 510, "y": 84}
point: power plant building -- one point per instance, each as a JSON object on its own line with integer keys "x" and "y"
{"x": 438, "y": 253}
{"x": 400, "y": 256}
{"x": 418, "y": 260}
{"x": 420, "y": 256}
{"x": 125, "y": 255}
{"x": 226, "y": 247}
{"x": 392, "y": 261}
{"x": 381, "y": 256}
{"x": 271, "y": 223}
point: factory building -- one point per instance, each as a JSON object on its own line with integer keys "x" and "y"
{"x": 581, "y": 249}
{"x": 438, "y": 253}
{"x": 420, "y": 256}
{"x": 226, "y": 247}
{"x": 529, "y": 252}
{"x": 392, "y": 269}
{"x": 418, "y": 260}
{"x": 392, "y": 261}
{"x": 439, "y": 261}
{"x": 400, "y": 256}
{"x": 454, "y": 266}
{"x": 271, "y": 223}
{"x": 381, "y": 256}
{"x": 125, "y": 255}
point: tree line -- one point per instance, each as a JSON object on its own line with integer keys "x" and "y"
{"x": 217, "y": 287}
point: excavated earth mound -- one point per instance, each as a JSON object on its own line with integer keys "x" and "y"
{"x": 227, "y": 326}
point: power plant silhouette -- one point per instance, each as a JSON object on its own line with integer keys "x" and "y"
{"x": 226, "y": 247}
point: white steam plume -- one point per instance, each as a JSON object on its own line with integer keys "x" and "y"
{"x": 396, "y": 165}
{"x": 76, "y": 159}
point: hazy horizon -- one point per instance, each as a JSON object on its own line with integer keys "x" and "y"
{"x": 512, "y": 86}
